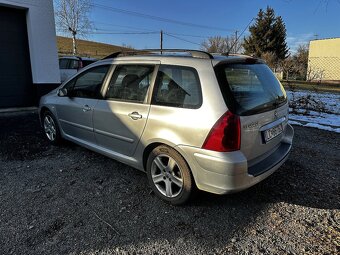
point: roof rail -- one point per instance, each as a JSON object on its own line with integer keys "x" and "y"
{"x": 194, "y": 53}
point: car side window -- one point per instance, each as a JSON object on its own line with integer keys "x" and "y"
{"x": 74, "y": 64}
{"x": 63, "y": 63}
{"x": 88, "y": 83}
{"x": 177, "y": 86}
{"x": 130, "y": 83}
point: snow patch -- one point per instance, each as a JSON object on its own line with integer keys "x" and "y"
{"x": 317, "y": 110}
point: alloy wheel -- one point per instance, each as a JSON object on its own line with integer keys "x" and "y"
{"x": 167, "y": 175}
{"x": 50, "y": 128}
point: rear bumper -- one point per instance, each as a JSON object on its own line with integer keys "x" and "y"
{"x": 223, "y": 173}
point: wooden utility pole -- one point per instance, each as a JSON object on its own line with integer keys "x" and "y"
{"x": 235, "y": 46}
{"x": 161, "y": 35}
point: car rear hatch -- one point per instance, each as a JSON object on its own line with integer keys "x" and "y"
{"x": 252, "y": 92}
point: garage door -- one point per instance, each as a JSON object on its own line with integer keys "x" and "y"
{"x": 16, "y": 88}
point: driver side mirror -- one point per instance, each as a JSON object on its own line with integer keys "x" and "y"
{"x": 62, "y": 92}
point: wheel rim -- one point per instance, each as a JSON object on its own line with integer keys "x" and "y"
{"x": 167, "y": 176}
{"x": 50, "y": 128}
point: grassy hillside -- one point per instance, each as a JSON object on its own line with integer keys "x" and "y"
{"x": 86, "y": 48}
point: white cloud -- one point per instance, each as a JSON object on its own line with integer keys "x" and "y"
{"x": 294, "y": 41}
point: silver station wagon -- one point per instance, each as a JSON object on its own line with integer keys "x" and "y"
{"x": 189, "y": 119}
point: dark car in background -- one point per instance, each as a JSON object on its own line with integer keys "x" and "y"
{"x": 70, "y": 65}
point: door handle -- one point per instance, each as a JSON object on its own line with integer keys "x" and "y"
{"x": 135, "y": 115}
{"x": 86, "y": 108}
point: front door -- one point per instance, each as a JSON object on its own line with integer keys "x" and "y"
{"x": 75, "y": 111}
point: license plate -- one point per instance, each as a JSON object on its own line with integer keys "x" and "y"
{"x": 273, "y": 132}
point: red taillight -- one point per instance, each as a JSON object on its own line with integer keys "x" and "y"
{"x": 225, "y": 134}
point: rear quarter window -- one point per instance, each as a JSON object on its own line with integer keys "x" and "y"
{"x": 177, "y": 86}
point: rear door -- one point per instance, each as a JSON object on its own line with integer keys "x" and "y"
{"x": 75, "y": 111}
{"x": 119, "y": 120}
{"x": 252, "y": 91}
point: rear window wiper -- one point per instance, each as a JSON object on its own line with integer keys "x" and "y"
{"x": 278, "y": 101}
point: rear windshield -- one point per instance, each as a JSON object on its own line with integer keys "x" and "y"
{"x": 249, "y": 88}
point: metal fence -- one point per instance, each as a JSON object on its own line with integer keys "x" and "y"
{"x": 323, "y": 68}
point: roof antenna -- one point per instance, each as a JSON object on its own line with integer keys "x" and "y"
{"x": 237, "y": 38}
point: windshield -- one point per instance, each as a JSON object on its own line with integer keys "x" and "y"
{"x": 249, "y": 88}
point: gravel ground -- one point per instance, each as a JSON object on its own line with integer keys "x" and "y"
{"x": 69, "y": 200}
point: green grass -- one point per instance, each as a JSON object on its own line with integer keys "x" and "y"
{"x": 86, "y": 48}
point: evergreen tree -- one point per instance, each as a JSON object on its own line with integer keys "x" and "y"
{"x": 281, "y": 50}
{"x": 267, "y": 36}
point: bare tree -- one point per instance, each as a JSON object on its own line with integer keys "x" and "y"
{"x": 301, "y": 60}
{"x": 315, "y": 74}
{"x": 270, "y": 59}
{"x": 128, "y": 46}
{"x": 295, "y": 65}
{"x": 219, "y": 44}
{"x": 287, "y": 66}
{"x": 72, "y": 16}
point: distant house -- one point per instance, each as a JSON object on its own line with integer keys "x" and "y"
{"x": 324, "y": 60}
{"x": 28, "y": 52}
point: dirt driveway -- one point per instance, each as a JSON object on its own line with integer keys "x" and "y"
{"x": 69, "y": 200}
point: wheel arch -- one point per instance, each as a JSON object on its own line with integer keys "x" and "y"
{"x": 155, "y": 144}
{"x": 44, "y": 109}
{"x": 41, "y": 113}
{"x": 188, "y": 188}
{"x": 148, "y": 150}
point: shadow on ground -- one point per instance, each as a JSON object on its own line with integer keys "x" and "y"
{"x": 62, "y": 200}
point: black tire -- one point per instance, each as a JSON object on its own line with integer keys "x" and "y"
{"x": 48, "y": 130}
{"x": 168, "y": 177}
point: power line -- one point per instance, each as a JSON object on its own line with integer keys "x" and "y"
{"x": 236, "y": 39}
{"x": 150, "y": 30}
{"x": 108, "y": 31}
{"x": 119, "y": 31}
{"x": 198, "y": 36}
{"x": 179, "y": 38}
{"x": 147, "y": 16}
{"x": 129, "y": 27}
{"x": 104, "y": 32}
{"x": 122, "y": 33}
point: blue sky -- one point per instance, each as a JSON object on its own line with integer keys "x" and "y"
{"x": 303, "y": 18}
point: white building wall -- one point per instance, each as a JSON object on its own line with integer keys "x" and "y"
{"x": 41, "y": 38}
